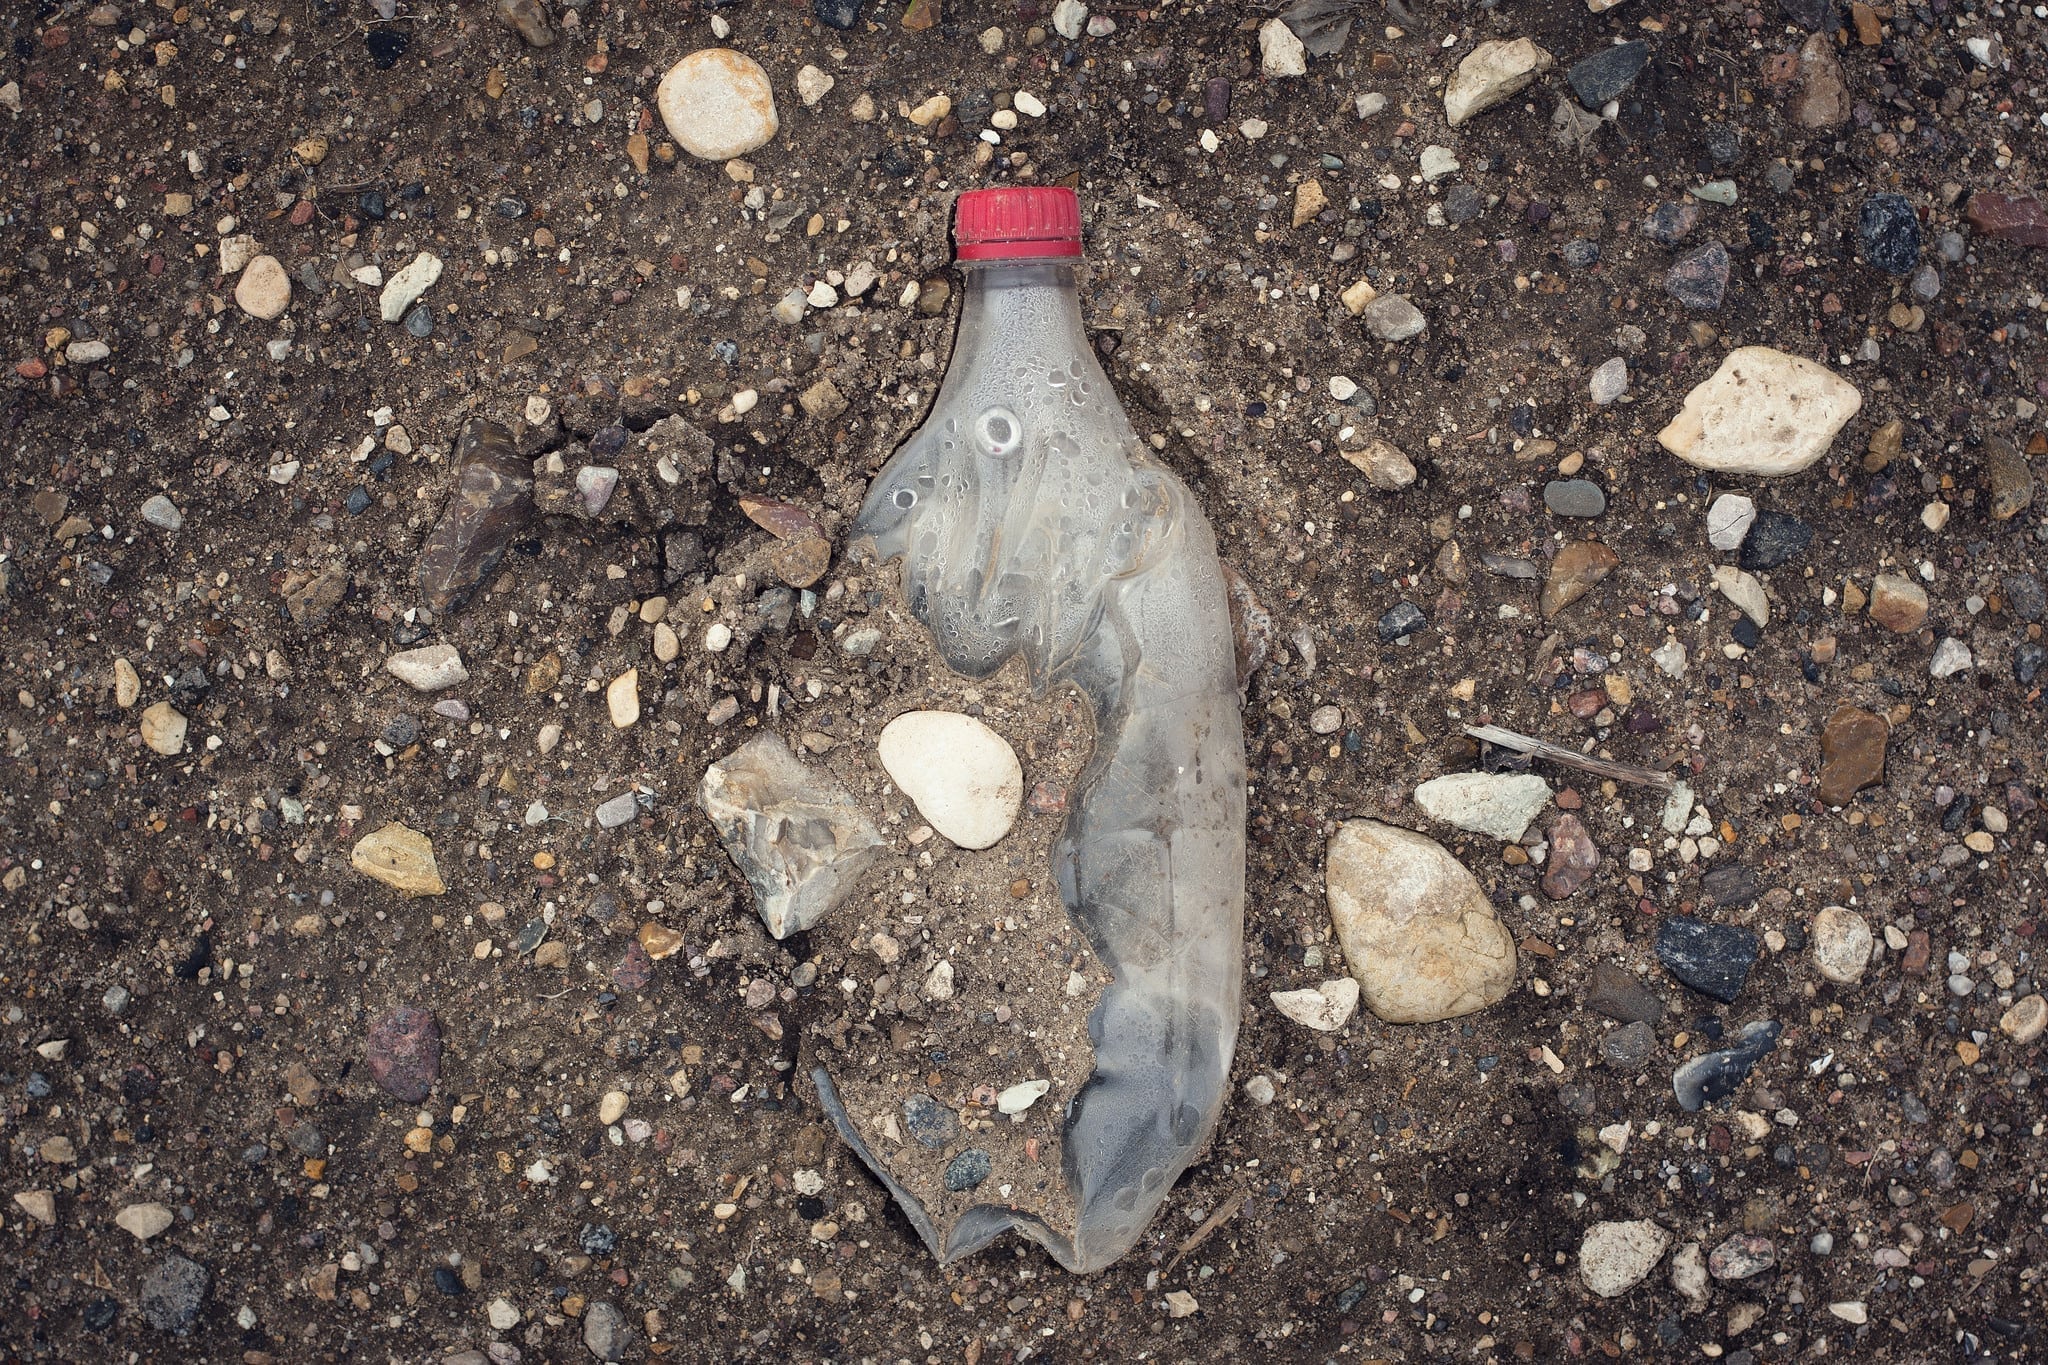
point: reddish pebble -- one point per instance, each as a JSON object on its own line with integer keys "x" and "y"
{"x": 156, "y": 263}
{"x": 634, "y": 970}
{"x": 1919, "y": 948}
{"x": 302, "y": 213}
{"x": 1585, "y": 705}
{"x": 1574, "y": 857}
{"x": 404, "y": 1052}
{"x": 31, "y": 369}
{"x": 1569, "y": 799}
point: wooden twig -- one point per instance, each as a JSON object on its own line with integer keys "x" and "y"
{"x": 1571, "y": 758}
{"x": 1226, "y": 1212}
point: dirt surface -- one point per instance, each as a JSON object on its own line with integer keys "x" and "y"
{"x": 191, "y": 968}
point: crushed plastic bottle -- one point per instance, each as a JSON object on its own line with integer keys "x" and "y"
{"x": 1030, "y": 520}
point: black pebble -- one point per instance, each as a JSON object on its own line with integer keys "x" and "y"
{"x": 447, "y": 1281}
{"x": 1890, "y": 233}
{"x": 386, "y": 46}
{"x": 1604, "y": 75}
{"x": 1713, "y": 959}
{"x": 1774, "y": 538}
{"x": 1404, "y": 620}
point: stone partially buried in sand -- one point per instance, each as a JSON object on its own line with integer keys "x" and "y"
{"x": 795, "y": 833}
{"x": 1417, "y": 929}
{"x": 1492, "y": 72}
{"x": 1499, "y": 804}
{"x": 1616, "y": 1257}
{"x": 963, "y": 777}
{"x": 718, "y": 104}
{"x": 1762, "y": 413}
{"x": 399, "y": 857}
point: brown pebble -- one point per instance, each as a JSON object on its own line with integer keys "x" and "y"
{"x": 1019, "y": 889}
{"x": 1852, "y": 749}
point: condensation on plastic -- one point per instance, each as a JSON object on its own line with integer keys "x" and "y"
{"x": 1030, "y": 520}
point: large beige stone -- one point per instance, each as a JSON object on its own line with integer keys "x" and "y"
{"x": 163, "y": 729}
{"x": 718, "y": 104}
{"x": 399, "y": 857}
{"x": 962, "y": 776}
{"x": 1763, "y": 412}
{"x": 1418, "y": 931}
{"x": 1492, "y": 72}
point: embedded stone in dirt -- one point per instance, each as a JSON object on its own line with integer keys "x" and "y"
{"x": 1614, "y": 991}
{"x": 2007, "y": 479}
{"x": 2021, "y": 220}
{"x": 404, "y": 1053}
{"x": 1417, "y": 928}
{"x": 264, "y": 290}
{"x": 1822, "y": 98}
{"x": 1383, "y": 465}
{"x": 1741, "y": 1256}
{"x": 1841, "y": 944}
{"x": 963, "y": 777}
{"x": 1728, "y": 520}
{"x": 1493, "y": 71}
{"x": 491, "y": 503}
{"x": 1574, "y": 857}
{"x": 143, "y": 1221}
{"x": 1898, "y": 603}
{"x": 1715, "y": 1075}
{"x": 1573, "y": 573}
{"x": 2026, "y": 1020}
{"x": 1713, "y": 959}
{"x": 173, "y": 1292}
{"x": 1616, "y": 1257}
{"x": 795, "y": 833}
{"x": 404, "y": 288}
{"x": 718, "y": 104}
{"x": 399, "y": 857}
{"x": 1744, "y": 591}
{"x": 1763, "y": 412}
{"x": 1325, "y": 1008}
{"x": 430, "y": 668}
{"x": 1391, "y": 317}
{"x": 1852, "y": 750}
{"x": 1499, "y": 804}
{"x": 163, "y": 729}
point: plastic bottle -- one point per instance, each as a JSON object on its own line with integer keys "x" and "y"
{"x": 1031, "y": 520}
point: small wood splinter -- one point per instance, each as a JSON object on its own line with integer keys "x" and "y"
{"x": 1571, "y": 758}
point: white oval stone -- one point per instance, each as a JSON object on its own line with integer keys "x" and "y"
{"x": 612, "y": 1107}
{"x": 718, "y": 104}
{"x": 264, "y": 291}
{"x": 163, "y": 729}
{"x": 963, "y": 777}
{"x": 1841, "y": 944}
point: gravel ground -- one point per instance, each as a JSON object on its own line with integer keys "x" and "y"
{"x": 256, "y": 1103}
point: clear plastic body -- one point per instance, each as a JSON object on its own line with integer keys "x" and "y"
{"x": 1030, "y": 520}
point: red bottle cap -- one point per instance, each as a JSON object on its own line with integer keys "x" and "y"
{"x": 1017, "y": 223}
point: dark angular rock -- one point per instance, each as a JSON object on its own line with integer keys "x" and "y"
{"x": 1812, "y": 15}
{"x": 1890, "y": 233}
{"x": 967, "y": 1170}
{"x": 173, "y": 1292}
{"x": 597, "y": 1239}
{"x": 1604, "y": 75}
{"x": 1774, "y": 538}
{"x": 1746, "y": 633}
{"x": 930, "y": 1122}
{"x": 1670, "y": 224}
{"x": 1629, "y": 1047}
{"x": 2009, "y": 483}
{"x": 1404, "y": 620}
{"x": 491, "y": 505}
{"x": 840, "y": 14}
{"x": 1715, "y": 1075}
{"x": 1730, "y": 883}
{"x": 404, "y": 1052}
{"x": 1581, "y": 252}
{"x": 2027, "y": 658}
{"x": 1700, "y": 279}
{"x": 1713, "y": 959}
{"x": 1724, "y": 143}
{"x": 1614, "y": 991}
{"x": 2025, "y": 597}
{"x": 1462, "y": 205}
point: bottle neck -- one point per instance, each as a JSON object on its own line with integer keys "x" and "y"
{"x": 1009, "y": 305}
